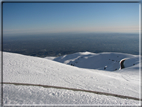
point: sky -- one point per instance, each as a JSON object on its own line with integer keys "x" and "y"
{"x": 38, "y": 18}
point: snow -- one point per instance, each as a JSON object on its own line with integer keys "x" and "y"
{"x": 39, "y": 95}
{"x": 109, "y": 61}
{"x": 27, "y": 69}
{"x": 50, "y": 58}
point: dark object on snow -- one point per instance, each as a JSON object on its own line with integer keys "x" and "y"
{"x": 72, "y": 65}
{"x": 122, "y": 64}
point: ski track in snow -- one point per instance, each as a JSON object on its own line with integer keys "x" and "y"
{"x": 26, "y": 69}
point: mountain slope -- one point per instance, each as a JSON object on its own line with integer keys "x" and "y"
{"x": 109, "y": 61}
{"x": 26, "y": 69}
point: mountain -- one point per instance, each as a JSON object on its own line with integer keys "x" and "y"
{"x": 109, "y": 61}
{"x": 33, "y": 80}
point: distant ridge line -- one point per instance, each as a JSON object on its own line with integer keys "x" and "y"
{"x": 74, "y": 89}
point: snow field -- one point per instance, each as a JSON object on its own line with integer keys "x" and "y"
{"x": 27, "y": 69}
{"x": 109, "y": 61}
{"x": 39, "y": 95}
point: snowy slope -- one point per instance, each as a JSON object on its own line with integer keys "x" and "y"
{"x": 109, "y": 61}
{"x": 27, "y": 69}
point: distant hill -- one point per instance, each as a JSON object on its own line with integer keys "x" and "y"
{"x": 110, "y": 61}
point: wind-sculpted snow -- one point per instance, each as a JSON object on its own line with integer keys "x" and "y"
{"x": 33, "y": 70}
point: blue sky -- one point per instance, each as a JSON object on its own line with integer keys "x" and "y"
{"x": 38, "y": 18}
